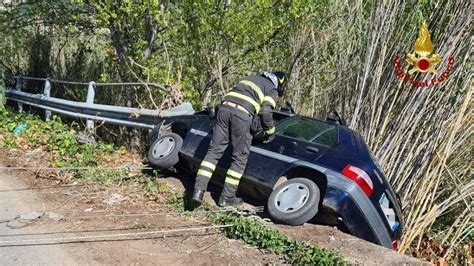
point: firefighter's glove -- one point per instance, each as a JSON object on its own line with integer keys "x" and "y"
{"x": 269, "y": 138}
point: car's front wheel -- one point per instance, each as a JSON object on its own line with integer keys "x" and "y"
{"x": 163, "y": 152}
{"x": 294, "y": 202}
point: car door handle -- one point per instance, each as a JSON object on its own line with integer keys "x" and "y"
{"x": 312, "y": 149}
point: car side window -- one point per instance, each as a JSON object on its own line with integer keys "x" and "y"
{"x": 327, "y": 137}
{"x": 309, "y": 130}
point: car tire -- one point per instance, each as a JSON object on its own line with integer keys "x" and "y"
{"x": 294, "y": 202}
{"x": 164, "y": 151}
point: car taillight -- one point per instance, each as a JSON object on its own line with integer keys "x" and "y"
{"x": 360, "y": 177}
{"x": 395, "y": 244}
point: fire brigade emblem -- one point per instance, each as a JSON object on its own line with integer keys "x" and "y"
{"x": 422, "y": 58}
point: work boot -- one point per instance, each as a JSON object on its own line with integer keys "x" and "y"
{"x": 197, "y": 195}
{"x": 234, "y": 201}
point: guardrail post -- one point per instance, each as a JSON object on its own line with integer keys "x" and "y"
{"x": 18, "y": 88}
{"x": 47, "y": 93}
{"x": 90, "y": 101}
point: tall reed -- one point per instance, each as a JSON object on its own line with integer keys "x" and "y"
{"x": 422, "y": 137}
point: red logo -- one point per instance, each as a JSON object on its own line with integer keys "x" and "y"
{"x": 422, "y": 60}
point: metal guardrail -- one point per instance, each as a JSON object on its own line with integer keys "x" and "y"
{"x": 126, "y": 116}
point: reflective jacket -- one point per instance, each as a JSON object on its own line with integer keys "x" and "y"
{"x": 258, "y": 95}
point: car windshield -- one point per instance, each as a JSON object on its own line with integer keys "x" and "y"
{"x": 308, "y": 130}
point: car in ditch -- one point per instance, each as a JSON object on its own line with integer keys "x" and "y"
{"x": 312, "y": 169}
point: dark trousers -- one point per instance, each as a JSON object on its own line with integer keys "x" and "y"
{"x": 233, "y": 126}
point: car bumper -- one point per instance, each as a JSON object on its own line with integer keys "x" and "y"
{"x": 358, "y": 213}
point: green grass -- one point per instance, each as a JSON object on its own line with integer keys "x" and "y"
{"x": 60, "y": 142}
{"x": 54, "y": 137}
{"x": 292, "y": 251}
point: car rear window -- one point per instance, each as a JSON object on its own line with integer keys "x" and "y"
{"x": 308, "y": 130}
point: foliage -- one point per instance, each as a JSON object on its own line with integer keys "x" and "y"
{"x": 339, "y": 56}
{"x": 60, "y": 143}
{"x": 293, "y": 251}
{"x": 54, "y": 136}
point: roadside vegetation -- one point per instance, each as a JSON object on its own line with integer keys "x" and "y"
{"x": 63, "y": 150}
{"x": 293, "y": 251}
{"x": 62, "y": 145}
{"x": 339, "y": 55}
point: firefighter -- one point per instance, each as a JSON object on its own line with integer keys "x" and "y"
{"x": 252, "y": 96}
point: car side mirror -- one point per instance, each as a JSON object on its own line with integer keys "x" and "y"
{"x": 341, "y": 120}
{"x": 336, "y": 118}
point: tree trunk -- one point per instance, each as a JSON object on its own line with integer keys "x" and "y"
{"x": 132, "y": 135}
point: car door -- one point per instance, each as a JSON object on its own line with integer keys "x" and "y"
{"x": 295, "y": 139}
{"x": 200, "y": 135}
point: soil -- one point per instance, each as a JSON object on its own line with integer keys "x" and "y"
{"x": 88, "y": 234}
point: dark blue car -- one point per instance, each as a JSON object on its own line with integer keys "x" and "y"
{"x": 311, "y": 168}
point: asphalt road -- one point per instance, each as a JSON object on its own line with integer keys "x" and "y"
{"x": 14, "y": 202}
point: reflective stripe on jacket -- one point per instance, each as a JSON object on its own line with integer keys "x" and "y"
{"x": 258, "y": 95}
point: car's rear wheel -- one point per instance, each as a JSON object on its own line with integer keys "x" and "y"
{"x": 294, "y": 202}
{"x": 163, "y": 152}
